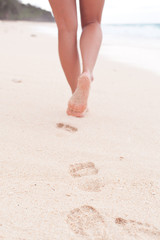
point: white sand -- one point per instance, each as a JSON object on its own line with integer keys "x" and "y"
{"x": 48, "y": 191}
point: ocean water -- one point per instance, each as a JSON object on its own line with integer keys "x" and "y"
{"x": 141, "y": 31}
{"x": 134, "y": 44}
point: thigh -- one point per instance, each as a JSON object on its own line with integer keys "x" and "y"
{"x": 91, "y": 11}
{"x": 65, "y": 13}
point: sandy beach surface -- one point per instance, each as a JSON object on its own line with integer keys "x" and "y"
{"x": 66, "y": 178}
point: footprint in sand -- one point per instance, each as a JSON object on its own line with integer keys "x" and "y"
{"x": 66, "y": 127}
{"x": 83, "y": 169}
{"x": 33, "y": 35}
{"x": 16, "y": 80}
{"x": 138, "y": 229}
{"x": 87, "y": 169}
{"x": 87, "y": 222}
{"x": 92, "y": 185}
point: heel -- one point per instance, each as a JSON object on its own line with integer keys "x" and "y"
{"x": 84, "y": 81}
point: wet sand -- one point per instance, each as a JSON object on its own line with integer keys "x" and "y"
{"x": 92, "y": 178}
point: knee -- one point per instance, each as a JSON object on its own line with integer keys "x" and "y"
{"x": 95, "y": 23}
{"x": 95, "y": 27}
{"x": 70, "y": 27}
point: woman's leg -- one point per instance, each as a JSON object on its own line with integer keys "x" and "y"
{"x": 91, "y": 38}
{"x": 65, "y": 14}
{"x": 90, "y": 42}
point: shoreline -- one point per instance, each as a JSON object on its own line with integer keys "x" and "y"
{"x": 57, "y": 171}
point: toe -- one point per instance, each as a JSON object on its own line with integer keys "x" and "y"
{"x": 77, "y": 113}
{"x": 79, "y": 108}
{"x": 80, "y": 114}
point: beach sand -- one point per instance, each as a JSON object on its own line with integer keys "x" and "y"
{"x": 66, "y": 178}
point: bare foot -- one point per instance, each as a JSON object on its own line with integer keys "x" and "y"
{"x": 77, "y": 105}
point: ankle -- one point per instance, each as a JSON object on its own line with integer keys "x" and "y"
{"x": 89, "y": 73}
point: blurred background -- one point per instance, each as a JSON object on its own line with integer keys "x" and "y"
{"x": 121, "y": 11}
{"x": 131, "y": 29}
